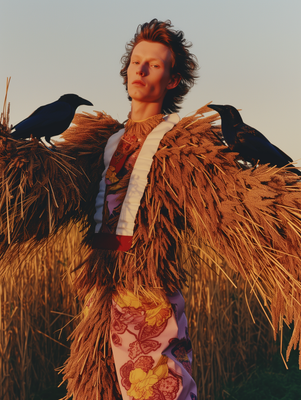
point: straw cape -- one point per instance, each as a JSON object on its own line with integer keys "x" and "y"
{"x": 198, "y": 196}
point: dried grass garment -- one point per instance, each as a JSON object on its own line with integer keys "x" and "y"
{"x": 151, "y": 350}
{"x": 196, "y": 192}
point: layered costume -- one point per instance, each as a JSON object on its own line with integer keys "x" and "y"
{"x": 196, "y": 195}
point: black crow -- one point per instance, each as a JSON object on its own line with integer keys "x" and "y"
{"x": 51, "y": 119}
{"x": 252, "y": 145}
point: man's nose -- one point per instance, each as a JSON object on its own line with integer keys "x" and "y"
{"x": 141, "y": 70}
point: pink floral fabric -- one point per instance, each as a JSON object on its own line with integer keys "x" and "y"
{"x": 151, "y": 360}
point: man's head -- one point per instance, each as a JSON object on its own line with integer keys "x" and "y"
{"x": 183, "y": 64}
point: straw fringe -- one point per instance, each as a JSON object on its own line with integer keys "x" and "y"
{"x": 197, "y": 189}
{"x": 42, "y": 190}
{"x": 91, "y": 370}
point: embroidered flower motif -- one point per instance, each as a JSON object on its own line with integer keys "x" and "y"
{"x": 158, "y": 315}
{"x": 127, "y": 299}
{"x": 142, "y": 382}
{"x": 116, "y": 339}
{"x": 111, "y": 175}
{"x": 139, "y": 378}
{"x": 118, "y": 324}
{"x": 145, "y": 318}
{"x": 142, "y": 347}
{"x": 145, "y": 363}
{"x": 169, "y": 387}
{"x": 180, "y": 351}
{"x": 125, "y": 371}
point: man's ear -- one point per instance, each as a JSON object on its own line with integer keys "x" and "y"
{"x": 174, "y": 81}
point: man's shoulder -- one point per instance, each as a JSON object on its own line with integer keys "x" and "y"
{"x": 87, "y": 128}
{"x": 193, "y": 130}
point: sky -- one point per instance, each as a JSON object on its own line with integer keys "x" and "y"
{"x": 249, "y": 54}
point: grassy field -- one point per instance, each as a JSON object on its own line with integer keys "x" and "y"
{"x": 235, "y": 355}
{"x": 39, "y": 308}
{"x": 272, "y": 382}
{"x": 269, "y": 382}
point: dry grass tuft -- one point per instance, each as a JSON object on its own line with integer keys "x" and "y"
{"x": 4, "y": 118}
{"x": 38, "y": 312}
{"x": 38, "y": 306}
{"x": 37, "y": 190}
{"x": 228, "y": 328}
{"x": 36, "y": 299}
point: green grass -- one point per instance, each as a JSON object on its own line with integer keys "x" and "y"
{"x": 274, "y": 382}
{"x": 52, "y": 393}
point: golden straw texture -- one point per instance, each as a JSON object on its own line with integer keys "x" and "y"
{"x": 41, "y": 190}
{"x": 198, "y": 195}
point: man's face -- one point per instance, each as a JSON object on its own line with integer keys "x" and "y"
{"x": 148, "y": 74}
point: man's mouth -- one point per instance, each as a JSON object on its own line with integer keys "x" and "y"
{"x": 137, "y": 82}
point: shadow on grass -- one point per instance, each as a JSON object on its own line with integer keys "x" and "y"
{"x": 274, "y": 382}
{"x": 52, "y": 393}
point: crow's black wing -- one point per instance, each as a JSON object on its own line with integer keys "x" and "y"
{"x": 254, "y": 146}
{"x": 49, "y": 120}
{"x": 284, "y": 154}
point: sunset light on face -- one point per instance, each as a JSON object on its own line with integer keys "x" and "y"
{"x": 149, "y": 72}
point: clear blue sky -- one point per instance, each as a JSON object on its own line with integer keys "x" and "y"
{"x": 249, "y": 53}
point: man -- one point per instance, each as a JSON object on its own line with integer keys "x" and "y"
{"x": 145, "y": 335}
{"x": 160, "y": 184}
{"x": 152, "y": 195}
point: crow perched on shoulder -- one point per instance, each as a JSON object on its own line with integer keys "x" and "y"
{"x": 51, "y": 119}
{"x": 252, "y": 145}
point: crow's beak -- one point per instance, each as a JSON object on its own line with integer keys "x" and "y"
{"x": 214, "y": 107}
{"x": 86, "y": 102}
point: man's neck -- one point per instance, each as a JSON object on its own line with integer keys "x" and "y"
{"x": 142, "y": 111}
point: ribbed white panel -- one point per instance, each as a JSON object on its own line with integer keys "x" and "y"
{"x": 138, "y": 179}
